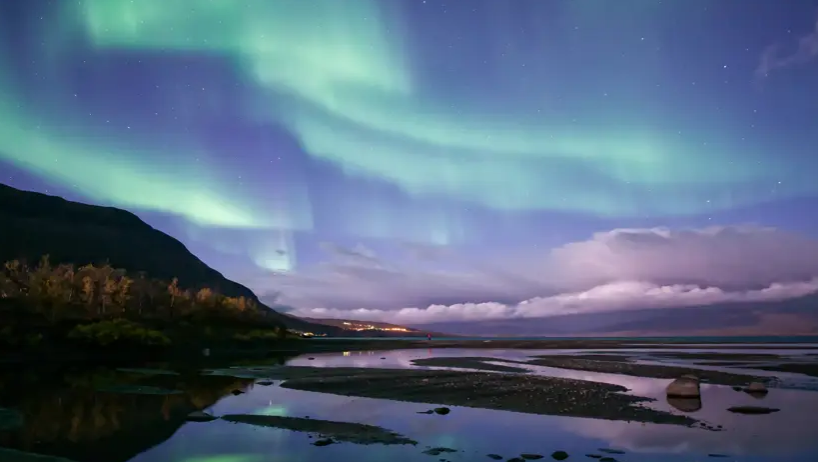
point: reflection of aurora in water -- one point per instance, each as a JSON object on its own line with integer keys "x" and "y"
{"x": 272, "y": 410}
{"x": 475, "y": 432}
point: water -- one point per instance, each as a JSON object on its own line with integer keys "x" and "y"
{"x": 65, "y": 416}
{"x": 809, "y": 340}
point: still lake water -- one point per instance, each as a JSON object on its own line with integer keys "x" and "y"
{"x": 65, "y": 416}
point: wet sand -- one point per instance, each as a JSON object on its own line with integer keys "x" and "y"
{"x": 578, "y": 364}
{"x": 336, "y": 431}
{"x": 510, "y": 392}
{"x": 645, "y": 370}
{"x": 717, "y": 356}
{"x": 810, "y": 369}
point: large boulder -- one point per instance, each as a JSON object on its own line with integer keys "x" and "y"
{"x": 685, "y": 404}
{"x": 684, "y": 387}
{"x": 756, "y": 390}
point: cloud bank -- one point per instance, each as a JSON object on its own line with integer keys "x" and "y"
{"x": 620, "y": 269}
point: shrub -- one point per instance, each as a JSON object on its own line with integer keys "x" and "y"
{"x": 10, "y": 338}
{"x": 118, "y": 332}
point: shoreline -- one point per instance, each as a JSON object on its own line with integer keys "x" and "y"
{"x": 57, "y": 353}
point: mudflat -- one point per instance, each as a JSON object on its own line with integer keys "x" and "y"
{"x": 338, "y": 431}
{"x": 716, "y": 356}
{"x": 523, "y": 393}
{"x": 607, "y": 367}
{"x": 645, "y": 370}
{"x": 810, "y": 369}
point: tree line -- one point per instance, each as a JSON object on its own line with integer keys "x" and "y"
{"x": 91, "y": 292}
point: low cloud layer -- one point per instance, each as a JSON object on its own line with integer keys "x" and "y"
{"x": 616, "y": 270}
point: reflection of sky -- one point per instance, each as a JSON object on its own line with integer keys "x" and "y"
{"x": 637, "y": 385}
{"x": 784, "y": 436}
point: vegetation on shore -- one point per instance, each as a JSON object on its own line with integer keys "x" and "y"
{"x": 101, "y": 306}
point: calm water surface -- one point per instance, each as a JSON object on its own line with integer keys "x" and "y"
{"x": 65, "y": 416}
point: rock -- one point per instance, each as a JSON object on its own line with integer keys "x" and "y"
{"x": 752, "y": 410}
{"x": 430, "y": 411}
{"x": 495, "y": 456}
{"x": 607, "y": 459}
{"x": 529, "y": 456}
{"x": 690, "y": 376}
{"x": 717, "y": 455}
{"x": 738, "y": 388}
{"x": 310, "y": 358}
{"x": 516, "y": 459}
{"x": 10, "y": 419}
{"x": 756, "y": 390}
{"x": 237, "y": 392}
{"x": 442, "y": 410}
{"x": 323, "y": 442}
{"x": 559, "y": 455}
{"x": 611, "y": 451}
{"x": 199, "y": 416}
{"x": 757, "y": 387}
{"x": 264, "y": 383}
{"x": 685, "y": 404}
{"x": 684, "y": 387}
{"x": 593, "y": 456}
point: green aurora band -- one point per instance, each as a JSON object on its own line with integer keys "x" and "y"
{"x": 341, "y": 74}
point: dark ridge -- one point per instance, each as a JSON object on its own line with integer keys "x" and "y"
{"x": 36, "y": 224}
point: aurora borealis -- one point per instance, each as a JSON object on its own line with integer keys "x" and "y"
{"x": 255, "y": 130}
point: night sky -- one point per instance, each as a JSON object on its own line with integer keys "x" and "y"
{"x": 450, "y": 159}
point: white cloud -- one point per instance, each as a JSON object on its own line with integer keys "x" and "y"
{"x": 806, "y": 50}
{"x": 615, "y": 270}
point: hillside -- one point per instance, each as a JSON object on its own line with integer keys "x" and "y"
{"x": 35, "y": 224}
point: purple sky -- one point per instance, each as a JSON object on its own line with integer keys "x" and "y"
{"x": 427, "y": 161}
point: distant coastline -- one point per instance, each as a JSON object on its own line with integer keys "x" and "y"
{"x": 755, "y": 339}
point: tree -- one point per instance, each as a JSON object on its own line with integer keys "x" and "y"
{"x": 101, "y": 292}
{"x": 174, "y": 292}
{"x": 122, "y": 294}
{"x": 88, "y": 291}
{"x": 140, "y": 286}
